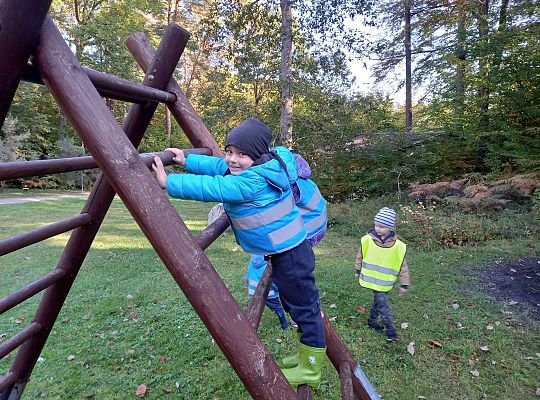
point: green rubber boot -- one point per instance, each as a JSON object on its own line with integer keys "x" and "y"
{"x": 308, "y": 370}
{"x": 291, "y": 361}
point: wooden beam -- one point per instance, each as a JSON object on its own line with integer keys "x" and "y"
{"x": 182, "y": 110}
{"x": 20, "y": 23}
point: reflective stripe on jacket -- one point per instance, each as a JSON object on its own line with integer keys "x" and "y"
{"x": 256, "y": 267}
{"x": 311, "y": 203}
{"x": 380, "y": 265}
{"x": 312, "y": 207}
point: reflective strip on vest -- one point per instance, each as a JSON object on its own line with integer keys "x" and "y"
{"x": 376, "y": 281}
{"x": 286, "y": 232}
{"x": 377, "y": 268}
{"x": 264, "y": 218}
{"x": 312, "y": 204}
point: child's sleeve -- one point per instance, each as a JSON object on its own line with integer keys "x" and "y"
{"x": 223, "y": 189}
{"x": 404, "y": 276}
{"x": 205, "y": 165}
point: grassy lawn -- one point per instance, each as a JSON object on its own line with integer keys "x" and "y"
{"x": 127, "y": 323}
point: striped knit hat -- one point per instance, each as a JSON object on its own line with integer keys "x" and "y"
{"x": 386, "y": 217}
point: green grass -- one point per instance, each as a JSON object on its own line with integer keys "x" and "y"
{"x": 165, "y": 346}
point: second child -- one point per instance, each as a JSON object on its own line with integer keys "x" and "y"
{"x": 380, "y": 260}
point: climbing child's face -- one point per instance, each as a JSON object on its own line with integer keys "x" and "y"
{"x": 382, "y": 231}
{"x": 237, "y": 160}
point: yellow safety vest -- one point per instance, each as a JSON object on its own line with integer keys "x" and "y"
{"x": 380, "y": 265}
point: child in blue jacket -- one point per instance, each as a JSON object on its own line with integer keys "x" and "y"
{"x": 253, "y": 185}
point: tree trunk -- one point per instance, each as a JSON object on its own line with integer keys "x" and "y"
{"x": 483, "y": 90}
{"x": 408, "y": 66}
{"x": 460, "y": 66}
{"x": 285, "y": 73}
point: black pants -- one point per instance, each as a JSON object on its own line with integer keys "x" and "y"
{"x": 292, "y": 271}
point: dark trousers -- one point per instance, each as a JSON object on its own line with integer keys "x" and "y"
{"x": 275, "y": 305}
{"x": 381, "y": 307}
{"x": 292, "y": 271}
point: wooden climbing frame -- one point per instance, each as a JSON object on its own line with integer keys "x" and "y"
{"x": 28, "y": 33}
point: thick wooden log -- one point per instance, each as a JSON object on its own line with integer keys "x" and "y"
{"x": 20, "y": 22}
{"x": 304, "y": 392}
{"x": 338, "y": 354}
{"x": 24, "y": 169}
{"x": 345, "y": 380}
{"x": 5, "y": 382}
{"x": 97, "y": 205}
{"x": 182, "y": 110}
{"x": 158, "y": 219}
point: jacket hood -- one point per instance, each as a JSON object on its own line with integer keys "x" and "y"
{"x": 273, "y": 173}
{"x": 290, "y": 162}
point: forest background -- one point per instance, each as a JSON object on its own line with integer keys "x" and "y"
{"x": 472, "y": 68}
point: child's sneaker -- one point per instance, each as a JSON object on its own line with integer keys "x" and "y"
{"x": 391, "y": 336}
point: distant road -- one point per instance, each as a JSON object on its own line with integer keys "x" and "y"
{"x": 17, "y": 200}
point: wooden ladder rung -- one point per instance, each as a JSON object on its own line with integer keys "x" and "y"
{"x": 19, "y": 338}
{"x": 24, "y": 169}
{"x": 30, "y": 290}
{"x": 37, "y": 235}
{"x": 7, "y": 380}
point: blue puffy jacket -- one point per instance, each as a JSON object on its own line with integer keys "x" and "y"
{"x": 311, "y": 203}
{"x": 256, "y": 267}
{"x": 258, "y": 201}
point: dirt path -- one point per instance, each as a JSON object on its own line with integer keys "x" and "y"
{"x": 18, "y": 200}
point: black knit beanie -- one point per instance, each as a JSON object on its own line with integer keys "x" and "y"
{"x": 252, "y": 137}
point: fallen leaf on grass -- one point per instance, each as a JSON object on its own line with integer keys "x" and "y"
{"x": 475, "y": 373}
{"x": 455, "y": 306}
{"x": 470, "y": 362}
{"x": 489, "y": 327}
{"x": 133, "y": 315}
{"x": 425, "y": 316}
{"x": 404, "y": 325}
{"x": 164, "y": 359}
{"x": 70, "y": 357}
{"x": 484, "y": 348}
{"x": 279, "y": 340}
{"x": 141, "y": 390}
{"x": 19, "y": 320}
{"x": 410, "y": 348}
{"x": 434, "y": 343}
{"x": 537, "y": 391}
{"x": 166, "y": 390}
{"x": 454, "y": 357}
{"x": 361, "y": 309}
{"x": 332, "y": 319}
{"x": 333, "y": 306}
{"x": 493, "y": 362}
